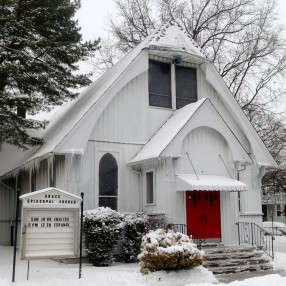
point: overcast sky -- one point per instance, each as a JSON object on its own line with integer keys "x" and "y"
{"x": 93, "y": 14}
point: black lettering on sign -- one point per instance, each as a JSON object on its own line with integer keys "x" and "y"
{"x": 61, "y": 224}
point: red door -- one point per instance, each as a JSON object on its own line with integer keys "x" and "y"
{"x": 203, "y": 213}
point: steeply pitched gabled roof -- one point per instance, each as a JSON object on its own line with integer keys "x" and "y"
{"x": 202, "y": 111}
{"x": 79, "y": 116}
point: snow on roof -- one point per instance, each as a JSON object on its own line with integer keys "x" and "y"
{"x": 167, "y": 133}
{"x": 173, "y": 37}
{"x": 190, "y": 182}
{"x": 76, "y": 110}
{"x": 170, "y": 35}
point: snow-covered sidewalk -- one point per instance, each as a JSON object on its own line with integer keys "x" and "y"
{"x": 48, "y": 272}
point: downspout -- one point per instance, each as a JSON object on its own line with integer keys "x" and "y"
{"x": 140, "y": 187}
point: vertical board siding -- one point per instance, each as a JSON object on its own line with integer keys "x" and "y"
{"x": 60, "y": 172}
{"x": 229, "y": 217}
{"x": 42, "y": 178}
{"x": 128, "y": 118}
{"x": 208, "y": 91}
{"x": 24, "y": 182}
{"x": 128, "y": 182}
{"x": 124, "y": 127}
{"x": 204, "y": 146}
{"x": 7, "y": 213}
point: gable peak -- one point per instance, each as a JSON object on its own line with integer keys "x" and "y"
{"x": 172, "y": 36}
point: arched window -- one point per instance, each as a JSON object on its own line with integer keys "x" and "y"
{"x": 108, "y": 182}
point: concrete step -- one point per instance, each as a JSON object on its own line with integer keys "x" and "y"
{"x": 230, "y": 249}
{"x": 222, "y": 260}
{"x": 235, "y": 262}
{"x": 223, "y": 256}
{"x": 241, "y": 268}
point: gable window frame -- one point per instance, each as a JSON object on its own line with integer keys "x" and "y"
{"x": 174, "y": 91}
{"x": 150, "y": 173}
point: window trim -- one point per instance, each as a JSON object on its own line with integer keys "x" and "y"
{"x": 146, "y": 186}
{"x": 116, "y": 157}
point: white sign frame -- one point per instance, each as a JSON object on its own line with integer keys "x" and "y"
{"x": 57, "y": 212}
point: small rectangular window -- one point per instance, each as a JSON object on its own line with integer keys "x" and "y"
{"x": 186, "y": 86}
{"x": 278, "y": 210}
{"x": 150, "y": 187}
{"x": 159, "y": 80}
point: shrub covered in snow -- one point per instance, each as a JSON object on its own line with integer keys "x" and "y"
{"x": 102, "y": 228}
{"x": 163, "y": 250}
{"x": 134, "y": 229}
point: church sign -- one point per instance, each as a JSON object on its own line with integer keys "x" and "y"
{"x": 50, "y": 224}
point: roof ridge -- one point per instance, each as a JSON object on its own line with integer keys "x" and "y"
{"x": 160, "y": 32}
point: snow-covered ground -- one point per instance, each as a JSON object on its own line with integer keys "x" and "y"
{"x": 48, "y": 272}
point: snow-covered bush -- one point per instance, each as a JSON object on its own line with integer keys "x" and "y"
{"x": 134, "y": 229}
{"x": 161, "y": 250}
{"x": 102, "y": 228}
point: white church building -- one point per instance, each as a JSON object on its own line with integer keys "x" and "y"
{"x": 159, "y": 132}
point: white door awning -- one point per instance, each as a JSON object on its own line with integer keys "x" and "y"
{"x": 190, "y": 182}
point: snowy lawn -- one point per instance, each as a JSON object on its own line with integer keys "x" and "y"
{"x": 48, "y": 272}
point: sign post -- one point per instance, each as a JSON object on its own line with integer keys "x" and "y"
{"x": 81, "y": 230}
{"x": 50, "y": 224}
{"x": 15, "y": 235}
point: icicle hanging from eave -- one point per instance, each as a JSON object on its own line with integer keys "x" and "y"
{"x": 73, "y": 163}
{"x": 28, "y": 166}
{"x": 50, "y": 162}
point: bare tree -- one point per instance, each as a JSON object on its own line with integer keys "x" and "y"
{"x": 242, "y": 37}
{"x": 271, "y": 129}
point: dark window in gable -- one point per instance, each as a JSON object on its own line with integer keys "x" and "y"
{"x": 186, "y": 86}
{"x": 108, "y": 182}
{"x": 159, "y": 80}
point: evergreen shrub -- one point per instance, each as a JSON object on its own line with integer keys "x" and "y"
{"x": 102, "y": 228}
{"x": 161, "y": 250}
{"x": 135, "y": 227}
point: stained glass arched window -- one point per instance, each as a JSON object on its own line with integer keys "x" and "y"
{"x": 108, "y": 182}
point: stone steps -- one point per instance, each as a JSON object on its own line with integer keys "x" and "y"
{"x": 222, "y": 260}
